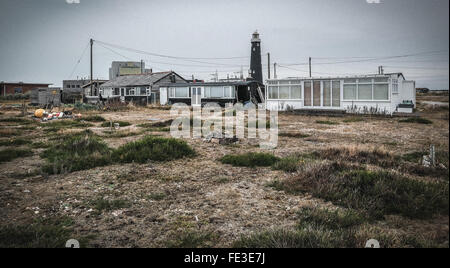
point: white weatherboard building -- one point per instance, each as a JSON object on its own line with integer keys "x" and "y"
{"x": 381, "y": 94}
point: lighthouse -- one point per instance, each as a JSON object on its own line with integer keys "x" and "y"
{"x": 255, "y": 61}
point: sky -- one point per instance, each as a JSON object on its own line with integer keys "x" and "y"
{"x": 44, "y": 40}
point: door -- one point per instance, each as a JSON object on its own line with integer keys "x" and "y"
{"x": 196, "y": 96}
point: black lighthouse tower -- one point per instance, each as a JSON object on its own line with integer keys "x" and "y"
{"x": 255, "y": 61}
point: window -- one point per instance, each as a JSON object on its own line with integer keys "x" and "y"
{"x": 181, "y": 92}
{"x": 116, "y": 91}
{"x": 365, "y": 91}
{"x": 216, "y": 92}
{"x": 316, "y": 93}
{"x": 143, "y": 91}
{"x": 349, "y": 91}
{"x": 284, "y": 92}
{"x": 296, "y": 92}
{"x": 381, "y": 92}
{"x": 326, "y": 93}
{"x": 308, "y": 93}
{"x": 336, "y": 93}
{"x": 78, "y": 86}
{"x": 226, "y": 92}
{"x": 18, "y": 90}
{"x": 395, "y": 86}
{"x": 273, "y": 92}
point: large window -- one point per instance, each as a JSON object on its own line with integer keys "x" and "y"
{"x": 308, "y": 93}
{"x": 366, "y": 89}
{"x": 219, "y": 92}
{"x": 285, "y": 90}
{"x": 179, "y": 92}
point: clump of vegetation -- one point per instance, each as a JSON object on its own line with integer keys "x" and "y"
{"x": 192, "y": 239}
{"x": 102, "y": 204}
{"x": 335, "y": 220}
{"x": 417, "y": 120}
{"x": 57, "y": 125}
{"x": 377, "y": 193}
{"x": 76, "y": 152}
{"x": 11, "y": 154}
{"x": 163, "y": 126}
{"x": 374, "y": 156}
{"x": 17, "y": 120}
{"x": 322, "y": 228}
{"x": 417, "y": 156}
{"x": 94, "y": 118}
{"x": 153, "y": 148}
{"x": 353, "y": 120}
{"x": 326, "y": 122}
{"x": 157, "y": 196}
{"x": 288, "y": 164}
{"x": 43, "y": 233}
{"x": 120, "y": 134}
{"x": 14, "y": 142}
{"x": 121, "y": 124}
{"x": 250, "y": 160}
{"x": 294, "y": 135}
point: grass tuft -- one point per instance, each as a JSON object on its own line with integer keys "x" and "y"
{"x": 153, "y": 148}
{"x": 250, "y": 160}
{"x": 8, "y": 155}
{"x": 417, "y": 120}
{"x": 121, "y": 124}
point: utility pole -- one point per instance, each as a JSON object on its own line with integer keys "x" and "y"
{"x": 92, "y": 67}
{"x": 310, "y": 73}
{"x": 268, "y": 65}
{"x": 275, "y": 70}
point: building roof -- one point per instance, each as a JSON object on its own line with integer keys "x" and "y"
{"x": 22, "y": 83}
{"x": 224, "y": 83}
{"x": 137, "y": 80}
{"x": 339, "y": 77}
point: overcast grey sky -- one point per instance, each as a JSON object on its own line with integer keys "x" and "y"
{"x": 42, "y": 40}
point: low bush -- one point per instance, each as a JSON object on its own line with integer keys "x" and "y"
{"x": 76, "y": 152}
{"x": 192, "y": 239}
{"x": 55, "y": 126}
{"x": 250, "y": 160}
{"x": 294, "y": 135}
{"x": 14, "y": 142}
{"x": 93, "y": 118}
{"x": 44, "y": 233}
{"x": 417, "y": 120}
{"x": 11, "y": 154}
{"x": 153, "y": 148}
{"x": 376, "y": 193}
{"x": 288, "y": 164}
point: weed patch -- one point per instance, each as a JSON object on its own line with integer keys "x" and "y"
{"x": 294, "y": 135}
{"x": 192, "y": 239}
{"x": 14, "y": 142}
{"x": 76, "y": 152}
{"x": 376, "y": 193}
{"x": 250, "y": 160}
{"x": 93, "y": 118}
{"x": 11, "y": 154}
{"x": 416, "y": 120}
{"x": 153, "y": 148}
{"x": 44, "y": 233}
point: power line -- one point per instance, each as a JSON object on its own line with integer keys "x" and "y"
{"x": 370, "y": 59}
{"x": 174, "y": 57}
{"x": 79, "y": 60}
